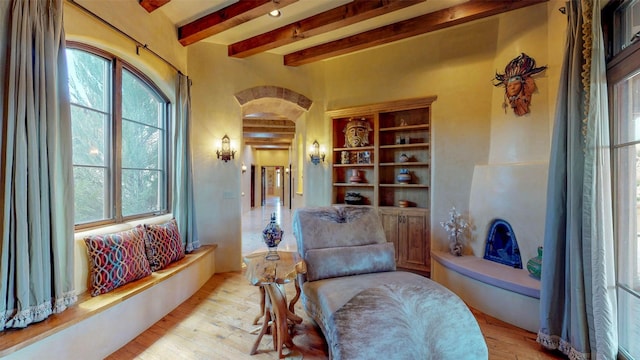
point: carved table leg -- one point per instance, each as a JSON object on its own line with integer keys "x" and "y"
{"x": 266, "y": 322}
{"x": 295, "y": 298}
{"x": 280, "y": 334}
{"x": 255, "y": 321}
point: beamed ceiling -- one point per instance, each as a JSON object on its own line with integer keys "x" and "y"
{"x": 310, "y": 31}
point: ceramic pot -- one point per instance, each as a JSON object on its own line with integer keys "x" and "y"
{"x": 534, "y": 265}
{"x": 403, "y": 158}
{"x": 404, "y": 177}
{"x": 344, "y": 157}
{"x": 353, "y": 198}
{"x": 355, "y": 176}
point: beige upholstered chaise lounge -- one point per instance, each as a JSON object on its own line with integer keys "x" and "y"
{"x": 365, "y": 308}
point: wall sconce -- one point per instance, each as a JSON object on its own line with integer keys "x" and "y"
{"x": 225, "y": 152}
{"x": 315, "y": 154}
{"x": 244, "y": 168}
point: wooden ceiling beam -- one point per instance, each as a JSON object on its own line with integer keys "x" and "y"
{"x": 437, "y": 20}
{"x": 268, "y": 140}
{"x": 269, "y": 133}
{"x": 267, "y": 123}
{"x": 271, "y": 144}
{"x": 345, "y": 15}
{"x": 269, "y": 147}
{"x": 151, "y": 5}
{"x": 224, "y": 19}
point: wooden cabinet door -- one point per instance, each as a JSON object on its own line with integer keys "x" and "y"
{"x": 389, "y": 220}
{"x": 413, "y": 229}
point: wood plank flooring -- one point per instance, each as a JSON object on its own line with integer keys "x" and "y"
{"x": 216, "y": 323}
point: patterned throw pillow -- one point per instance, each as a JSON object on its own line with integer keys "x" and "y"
{"x": 163, "y": 244}
{"x": 116, "y": 259}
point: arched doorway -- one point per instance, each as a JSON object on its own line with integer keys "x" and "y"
{"x": 271, "y": 118}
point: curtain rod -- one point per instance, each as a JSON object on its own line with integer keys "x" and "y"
{"x": 138, "y": 43}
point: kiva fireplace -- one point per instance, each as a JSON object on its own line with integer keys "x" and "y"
{"x": 502, "y": 246}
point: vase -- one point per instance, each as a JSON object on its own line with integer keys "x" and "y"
{"x": 344, "y": 157}
{"x": 534, "y": 265}
{"x": 272, "y": 235}
{"x": 455, "y": 247}
{"x": 355, "y": 176}
{"x": 404, "y": 177}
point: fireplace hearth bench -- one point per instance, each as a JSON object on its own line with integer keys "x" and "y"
{"x": 364, "y": 307}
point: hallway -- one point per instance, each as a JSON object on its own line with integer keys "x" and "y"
{"x": 255, "y": 220}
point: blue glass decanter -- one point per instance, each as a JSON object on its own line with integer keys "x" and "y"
{"x": 272, "y": 235}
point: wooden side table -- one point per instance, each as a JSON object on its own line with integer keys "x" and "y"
{"x": 271, "y": 275}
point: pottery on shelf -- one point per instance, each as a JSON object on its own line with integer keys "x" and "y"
{"x": 403, "y": 158}
{"x": 353, "y": 198}
{"x": 404, "y": 177}
{"x": 355, "y": 176}
{"x": 272, "y": 235}
{"x": 403, "y": 203}
{"x": 534, "y": 265}
{"x": 344, "y": 157}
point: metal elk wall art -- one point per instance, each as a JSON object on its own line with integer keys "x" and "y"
{"x": 518, "y": 83}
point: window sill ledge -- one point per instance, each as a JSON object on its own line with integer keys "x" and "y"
{"x": 12, "y": 340}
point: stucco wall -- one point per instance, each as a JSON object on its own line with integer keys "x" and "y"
{"x": 215, "y": 112}
{"x": 470, "y": 127}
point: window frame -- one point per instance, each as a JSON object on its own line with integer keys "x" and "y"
{"x": 622, "y": 62}
{"x": 117, "y": 66}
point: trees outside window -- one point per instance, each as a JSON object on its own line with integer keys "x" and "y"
{"x": 119, "y": 127}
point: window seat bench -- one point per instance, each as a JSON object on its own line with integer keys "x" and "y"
{"x": 94, "y": 327}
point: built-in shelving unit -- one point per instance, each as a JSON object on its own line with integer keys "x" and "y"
{"x": 394, "y": 138}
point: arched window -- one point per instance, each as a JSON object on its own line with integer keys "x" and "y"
{"x": 120, "y": 147}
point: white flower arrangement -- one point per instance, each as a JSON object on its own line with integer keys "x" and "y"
{"x": 456, "y": 228}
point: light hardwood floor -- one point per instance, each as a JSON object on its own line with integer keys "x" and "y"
{"x": 216, "y": 323}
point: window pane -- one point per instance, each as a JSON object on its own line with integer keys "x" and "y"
{"x": 90, "y": 137}
{"x": 89, "y": 83}
{"x": 629, "y": 332}
{"x": 141, "y": 192}
{"x": 141, "y": 146}
{"x": 627, "y": 97}
{"x": 90, "y": 89}
{"x": 628, "y": 215}
{"x": 627, "y": 208}
{"x": 91, "y": 192}
{"x": 139, "y": 102}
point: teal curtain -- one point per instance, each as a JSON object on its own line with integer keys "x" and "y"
{"x": 577, "y": 295}
{"x": 183, "y": 205}
{"x": 36, "y": 264}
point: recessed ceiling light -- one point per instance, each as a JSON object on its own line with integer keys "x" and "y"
{"x": 275, "y": 13}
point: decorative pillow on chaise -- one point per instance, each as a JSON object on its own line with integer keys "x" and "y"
{"x": 163, "y": 244}
{"x": 349, "y": 260}
{"x": 116, "y": 259}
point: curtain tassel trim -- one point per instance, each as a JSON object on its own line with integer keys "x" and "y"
{"x": 554, "y": 342}
{"x": 22, "y": 318}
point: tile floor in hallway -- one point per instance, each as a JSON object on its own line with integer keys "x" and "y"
{"x": 255, "y": 220}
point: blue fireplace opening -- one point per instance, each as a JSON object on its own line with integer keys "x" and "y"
{"x": 502, "y": 246}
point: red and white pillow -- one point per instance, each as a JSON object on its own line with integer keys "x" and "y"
{"x": 119, "y": 258}
{"x": 116, "y": 259}
{"x": 163, "y": 244}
